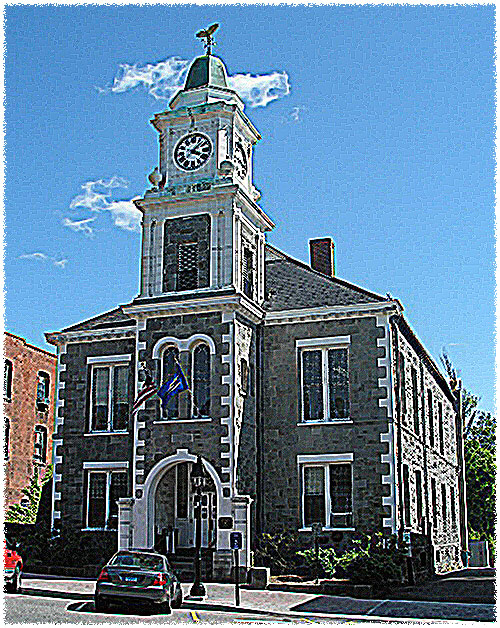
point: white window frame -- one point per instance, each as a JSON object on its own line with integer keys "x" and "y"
{"x": 324, "y": 461}
{"x": 108, "y": 469}
{"x": 43, "y": 431}
{"x": 323, "y": 345}
{"x": 109, "y": 362}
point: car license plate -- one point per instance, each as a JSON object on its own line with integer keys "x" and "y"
{"x": 131, "y": 578}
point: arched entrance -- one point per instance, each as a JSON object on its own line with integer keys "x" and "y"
{"x": 174, "y": 511}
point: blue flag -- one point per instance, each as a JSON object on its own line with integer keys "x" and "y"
{"x": 175, "y": 384}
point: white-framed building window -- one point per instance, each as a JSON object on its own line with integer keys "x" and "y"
{"x": 40, "y": 444}
{"x": 200, "y": 381}
{"x": 7, "y": 380}
{"x": 324, "y": 369}
{"x": 327, "y": 494}
{"x": 104, "y": 488}
{"x": 109, "y": 407}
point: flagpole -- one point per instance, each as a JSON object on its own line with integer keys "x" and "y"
{"x": 188, "y": 389}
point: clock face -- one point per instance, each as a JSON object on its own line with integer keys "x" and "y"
{"x": 240, "y": 161}
{"x": 192, "y": 151}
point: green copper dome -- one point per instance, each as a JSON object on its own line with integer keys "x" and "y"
{"x": 205, "y": 71}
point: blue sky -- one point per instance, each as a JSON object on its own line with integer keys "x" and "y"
{"x": 380, "y": 133}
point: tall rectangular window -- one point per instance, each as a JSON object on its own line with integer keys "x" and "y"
{"x": 104, "y": 489}
{"x": 325, "y": 384}
{"x": 340, "y": 495}
{"x": 314, "y": 495}
{"x": 418, "y": 488}
{"x": 414, "y": 388}
{"x": 453, "y": 507}
{"x": 402, "y": 383}
{"x": 187, "y": 266}
{"x": 7, "y": 380}
{"x": 444, "y": 506}
{"x": 327, "y": 495}
{"x": 440, "y": 428}
{"x": 431, "y": 417}
{"x": 40, "y": 444}
{"x": 201, "y": 374}
{"x": 247, "y": 272}
{"x": 109, "y": 398}
{"x": 406, "y": 496}
{"x": 42, "y": 391}
{"x": 434, "y": 503}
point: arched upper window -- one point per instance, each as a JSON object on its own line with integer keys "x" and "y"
{"x": 42, "y": 391}
{"x": 169, "y": 365}
{"x": 7, "y": 380}
{"x": 201, "y": 380}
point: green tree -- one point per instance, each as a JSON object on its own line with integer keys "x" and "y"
{"x": 480, "y": 466}
{"x": 18, "y": 513}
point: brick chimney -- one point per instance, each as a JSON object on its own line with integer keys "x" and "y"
{"x": 322, "y": 252}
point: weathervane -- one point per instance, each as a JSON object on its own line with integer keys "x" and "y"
{"x": 207, "y": 35}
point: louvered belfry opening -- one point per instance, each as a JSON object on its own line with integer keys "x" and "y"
{"x": 247, "y": 272}
{"x": 187, "y": 266}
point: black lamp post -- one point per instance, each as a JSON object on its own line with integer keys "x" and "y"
{"x": 198, "y": 480}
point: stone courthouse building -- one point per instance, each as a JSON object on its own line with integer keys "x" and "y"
{"x": 311, "y": 400}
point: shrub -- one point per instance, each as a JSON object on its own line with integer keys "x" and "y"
{"x": 279, "y": 552}
{"x": 369, "y": 560}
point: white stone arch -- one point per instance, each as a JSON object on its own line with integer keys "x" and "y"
{"x": 183, "y": 345}
{"x": 162, "y": 343}
{"x": 146, "y": 504}
{"x": 197, "y": 339}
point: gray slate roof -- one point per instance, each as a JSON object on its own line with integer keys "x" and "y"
{"x": 292, "y": 285}
{"x": 113, "y": 318}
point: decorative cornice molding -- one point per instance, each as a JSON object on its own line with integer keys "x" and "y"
{"x": 306, "y": 315}
{"x": 91, "y": 335}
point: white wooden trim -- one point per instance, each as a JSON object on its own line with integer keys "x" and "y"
{"x": 109, "y": 359}
{"x": 332, "y": 341}
{"x": 324, "y": 458}
{"x": 123, "y": 464}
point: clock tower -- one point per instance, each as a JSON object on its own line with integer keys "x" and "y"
{"x": 203, "y": 231}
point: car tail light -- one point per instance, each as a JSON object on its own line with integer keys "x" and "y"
{"x": 104, "y": 576}
{"x": 160, "y": 579}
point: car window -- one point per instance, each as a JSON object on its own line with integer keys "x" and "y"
{"x": 138, "y": 561}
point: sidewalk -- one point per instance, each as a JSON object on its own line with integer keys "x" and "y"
{"x": 220, "y": 597}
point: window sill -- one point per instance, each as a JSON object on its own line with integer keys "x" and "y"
{"x": 328, "y": 530}
{"x": 98, "y": 530}
{"x": 171, "y": 421}
{"x": 117, "y": 433}
{"x": 330, "y": 422}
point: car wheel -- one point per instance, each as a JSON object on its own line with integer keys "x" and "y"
{"x": 177, "y": 599}
{"x": 15, "y": 585}
{"x": 100, "y": 605}
{"x": 164, "y": 608}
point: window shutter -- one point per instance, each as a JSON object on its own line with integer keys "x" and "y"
{"x": 187, "y": 266}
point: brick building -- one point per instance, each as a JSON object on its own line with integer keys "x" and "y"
{"x": 29, "y": 401}
{"x": 311, "y": 401}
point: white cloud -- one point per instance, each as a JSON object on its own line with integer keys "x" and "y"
{"x": 125, "y": 215}
{"x": 44, "y": 258}
{"x": 163, "y": 79}
{"x": 39, "y": 256}
{"x": 96, "y": 197}
{"x": 295, "y": 113}
{"x": 79, "y": 225}
{"x": 259, "y": 90}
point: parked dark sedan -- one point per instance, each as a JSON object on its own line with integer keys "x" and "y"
{"x": 138, "y": 576}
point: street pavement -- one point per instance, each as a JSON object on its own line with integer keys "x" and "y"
{"x": 54, "y": 600}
